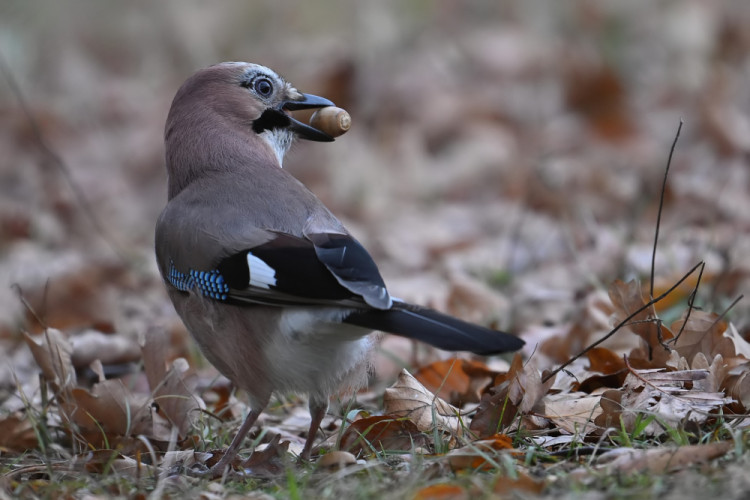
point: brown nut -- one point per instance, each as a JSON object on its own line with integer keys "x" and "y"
{"x": 331, "y": 120}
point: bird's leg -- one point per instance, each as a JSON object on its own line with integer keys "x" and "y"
{"x": 317, "y": 412}
{"x": 218, "y": 469}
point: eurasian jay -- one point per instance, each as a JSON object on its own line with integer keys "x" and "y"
{"x": 276, "y": 292}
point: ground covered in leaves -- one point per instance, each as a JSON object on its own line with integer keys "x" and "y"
{"x": 505, "y": 164}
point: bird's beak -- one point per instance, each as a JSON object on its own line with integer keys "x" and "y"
{"x": 303, "y": 130}
{"x": 308, "y": 101}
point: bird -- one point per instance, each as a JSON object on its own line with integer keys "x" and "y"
{"x": 276, "y": 292}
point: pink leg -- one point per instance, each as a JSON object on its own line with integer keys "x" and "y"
{"x": 317, "y": 412}
{"x": 218, "y": 469}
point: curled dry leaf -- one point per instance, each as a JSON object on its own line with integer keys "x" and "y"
{"x": 628, "y": 298}
{"x": 441, "y": 492}
{"x": 459, "y": 381}
{"x": 598, "y": 93}
{"x": 382, "y": 432}
{"x": 107, "y": 412}
{"x": 671, "y": 396}
{"x": 561, "y": 342}
{"x": 475, "y": 455}
{"x": 100, "y": 461}
{"x": 605, "y": 361}
{"x": 661, "y": 460}
{"x": 183, "y": 459}
{"x": 408, "y": 398}
{"x": 515, "y": 393}
{"x": 704, "y": 333}
{"x": 18, "y": 433}
{"x": 573, "y": 412}
{"x": 268, "y": 461}
{"x": 741, "y": 346}
{"x": 100, "y": 416}
{"x": 716, "y": 376}
{"x": 77, "y": 296}
{"x": 606, "y": 369}
{"x": 175, "y": 401}
{"x": 52, "y": 352}
{"x": 507, "y": 486}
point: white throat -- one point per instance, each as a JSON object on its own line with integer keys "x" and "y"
{"x": 280, "y": 141}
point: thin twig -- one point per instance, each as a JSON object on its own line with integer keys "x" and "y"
{"x": 661, "y": 205}
{"x": 58, "y": 161}
{"x": 25, "y": 303}
{"x": 726, "y": 311}
{"x": 624, "y": 322}
{"x": 691, "y": 302}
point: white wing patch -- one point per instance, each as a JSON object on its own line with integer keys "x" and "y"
{"x": 261, "y": 274}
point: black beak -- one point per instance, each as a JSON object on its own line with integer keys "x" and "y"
{"x": 303, "y": 130}
{"x": 308, "y": 101}
{"x": 278, "y": 118}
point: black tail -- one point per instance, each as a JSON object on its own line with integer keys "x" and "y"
{"x": 434, "y": 328}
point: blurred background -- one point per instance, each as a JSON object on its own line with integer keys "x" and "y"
{"x": 505, "y": 161}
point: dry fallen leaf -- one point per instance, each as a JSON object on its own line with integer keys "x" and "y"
{"x": 455, "y": 380}
{"x": 76, "y": 297}
{"x": 741, "y": 346}
{"x": 268, "y": 461}
{"x": 597, "y": 92}
{"x": 107, "y": 412}
{"x": 408, "y": 398}
{"x": 606, "y": 369}
{"x": 628, "y": 298}
{"x": 18, "y": 433}
{"x": 737, "y": 386}
{"x": 175, "y": 400}
{"x": 382, "y": 432}
{"x": 505, "y": 486}
{"x": 475, "y": 455}
{"x": 661, "y": 460}
{"x": 702, "y": 334}
{"x": 52, "y": 352}
{"x": 515, "y": 393}
{"x": 670, "y": 396}
{"x": 100, "y": 416}
{"x": 183, "y": 459}
{"x": 441, "y": 492}
{"x": 573, "y": 413}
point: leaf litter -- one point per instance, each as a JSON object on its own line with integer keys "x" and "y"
{"x": 546, "y": 209}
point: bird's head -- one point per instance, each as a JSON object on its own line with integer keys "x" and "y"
{"x": 235, "y": 99}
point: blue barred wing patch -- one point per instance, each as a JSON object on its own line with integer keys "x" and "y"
{"x": 210, "y": 284}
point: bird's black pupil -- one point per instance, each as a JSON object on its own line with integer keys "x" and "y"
{"x": 263, "y": 87}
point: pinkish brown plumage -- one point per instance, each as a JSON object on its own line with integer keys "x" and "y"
{"x": 276, "y": 292}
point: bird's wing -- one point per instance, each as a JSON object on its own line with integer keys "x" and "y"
{"x": 329, "y": 269}
{"x": 228, "y": 258}
{"x": 319, "y": 268}
{"x": 286, "y": 270}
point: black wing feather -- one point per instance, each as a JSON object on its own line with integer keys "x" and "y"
{"x": 434, "y": 328}
{"x": 335, "y": 270}
{"x": 352, "y": 267}
{"x": 340, "y": 269}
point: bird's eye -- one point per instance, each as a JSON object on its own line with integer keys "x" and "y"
{"x": 263, "y": 87}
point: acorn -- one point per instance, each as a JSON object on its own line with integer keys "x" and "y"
{"x": 331, "y": 120}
